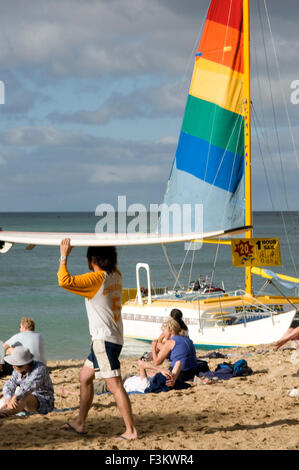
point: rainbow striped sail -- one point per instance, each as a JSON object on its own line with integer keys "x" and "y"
{"x": 209, "y": 163}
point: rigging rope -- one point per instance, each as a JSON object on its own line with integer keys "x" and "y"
{"x": 181, "y": 268}
{"x": 212, "y": 186}
{"x": 172, "y": 269}
{"x": 255, "y": 119}
{"x": 281, "y": 87}
{"x": 275, "y": 123}
{"x": 191, "y": 267}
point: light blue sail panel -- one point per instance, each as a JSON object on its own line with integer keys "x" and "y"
{"x": 221, "y": 209}
{"x": 209, "y": 163}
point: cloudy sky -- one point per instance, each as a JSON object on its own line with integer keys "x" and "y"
{"x": 95, "y": 92}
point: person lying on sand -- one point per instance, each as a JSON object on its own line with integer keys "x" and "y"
{"x": 142, "y": 381}
{"x": 139, "y": 383}
{"x": 30, "y": 387}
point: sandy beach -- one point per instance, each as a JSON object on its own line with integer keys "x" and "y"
{"x": 254, "y": 412}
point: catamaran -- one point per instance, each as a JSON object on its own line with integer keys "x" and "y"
{"x": 212, "y": 167}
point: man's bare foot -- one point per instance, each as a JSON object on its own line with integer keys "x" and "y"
{"x": 75, "y": 427}
{"x": 128, "y": 436}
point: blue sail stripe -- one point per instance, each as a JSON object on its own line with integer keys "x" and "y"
{"x": 209, "y": 163}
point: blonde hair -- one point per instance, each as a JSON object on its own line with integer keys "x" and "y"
{"x": 173, "y": 326}
{"x": 28, "y": 323}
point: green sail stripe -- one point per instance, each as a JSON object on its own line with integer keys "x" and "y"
{"x": 214, "y": 124}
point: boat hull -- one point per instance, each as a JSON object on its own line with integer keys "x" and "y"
{"x": 208, "y": 321}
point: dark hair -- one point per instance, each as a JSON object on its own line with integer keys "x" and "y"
{"x": 177, "y": 315}
{"x": 103, "y": 256}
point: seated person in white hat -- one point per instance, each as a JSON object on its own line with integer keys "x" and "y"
{"x": 30, "y": 387}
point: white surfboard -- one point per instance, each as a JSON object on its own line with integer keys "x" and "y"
{"x": 8, "y": 238}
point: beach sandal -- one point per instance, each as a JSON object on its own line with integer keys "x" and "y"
{"x": 69, "y": 427}
{"x": 120, "y": 436}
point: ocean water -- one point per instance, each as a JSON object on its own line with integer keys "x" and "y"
{"x": 28, "y": 279}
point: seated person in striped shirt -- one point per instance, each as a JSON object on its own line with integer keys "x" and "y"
{"x": 30, "y": 387}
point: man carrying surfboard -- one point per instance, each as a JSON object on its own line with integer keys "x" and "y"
{"x": 102, "y": 288}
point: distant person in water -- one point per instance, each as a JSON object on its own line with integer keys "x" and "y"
{"x": 102, "y": 289}
{"x": 28, "y": 338}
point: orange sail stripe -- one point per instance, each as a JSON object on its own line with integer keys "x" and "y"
{"x": 223, "y": 45}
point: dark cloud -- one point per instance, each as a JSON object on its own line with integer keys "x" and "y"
{"x": 166, "y": 100}
{"x": 90, "y": 38}
{"x": 134, "y": 61}
{"x": 74, "y": 171}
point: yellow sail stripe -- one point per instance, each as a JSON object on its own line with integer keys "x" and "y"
{"x": 218, "y": 84}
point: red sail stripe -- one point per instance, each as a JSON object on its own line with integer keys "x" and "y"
{"x": 228, "y": 12}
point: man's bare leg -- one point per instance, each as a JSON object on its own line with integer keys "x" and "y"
{"x": 86, "y": 397}
{"x": 115, "y": 385}
{"x": 29, "y": 403}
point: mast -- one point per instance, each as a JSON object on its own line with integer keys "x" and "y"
{"x": 247, "y": 133}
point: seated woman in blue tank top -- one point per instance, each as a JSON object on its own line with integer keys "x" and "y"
{"x": 177, "y": 347}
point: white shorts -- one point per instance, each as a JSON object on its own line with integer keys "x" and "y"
{"x": 103, "y": 358}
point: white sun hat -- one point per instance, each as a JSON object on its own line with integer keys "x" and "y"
{"x": 19, "y": 357}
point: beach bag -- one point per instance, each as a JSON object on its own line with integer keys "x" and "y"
{"x": 202, "y": 366}
{"x": 240, "y": 368}
{"x": 225, "y": 365}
